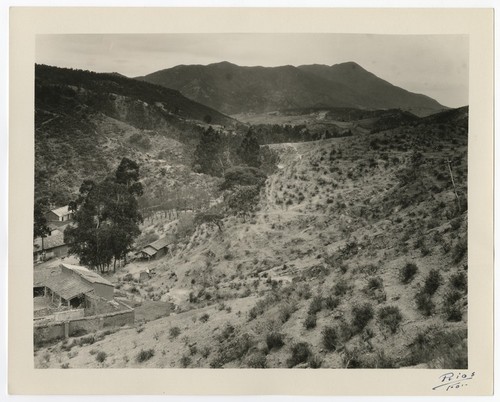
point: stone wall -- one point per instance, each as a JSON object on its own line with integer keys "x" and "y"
{"x": 54, "y": 330}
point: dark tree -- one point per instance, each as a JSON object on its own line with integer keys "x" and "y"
{"x": 107, "y": 217}
{"x": 249, "y": 150}
{"x": 243, "y": 176}
{"x": 208, "y": 154}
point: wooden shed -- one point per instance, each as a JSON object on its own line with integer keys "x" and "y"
{"x": 158, "y": 248}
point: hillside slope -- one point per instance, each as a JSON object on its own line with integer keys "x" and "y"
{"x": 233, "y": 89}
{"x": 86, "y": 122}
{"x": 355, "y": 257}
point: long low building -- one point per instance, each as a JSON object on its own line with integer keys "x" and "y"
{"x": 68, "y": 285}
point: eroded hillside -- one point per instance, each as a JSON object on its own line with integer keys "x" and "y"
{"x": 355, "y": 256}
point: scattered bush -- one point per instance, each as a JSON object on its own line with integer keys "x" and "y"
{"x": 459, "y": 251}
{"x": 390, "y": 316}
{"x": 375, "y": 283}
{"x": 256, "y": 360}
{"x": 453, "y": 313}
{"x": 331, "y": 302}
{"x": 432, "y": 282}
{"x": 310, "y": 321}
{"x": 340, "y": 288}
{"x": 101, "y": 356}
{"x": 174, "y": 332}
{"x": 330, "y": 338}
{"x": 439, "y": 349}
{"x": 285, "y": 311}
{"x": 316, "y": 305}
{"x": 144, "y": 355}
{"x": 452, "y": 297}
{"x": 408, "y": 272}
{"x": 361, "y": 315}
{"x": 185, "y": 361}
{"x": 459, "y": 281}
{"x": 314, "y": 362}
{"x": 274, "y": 340}
{"x": 79, "y": 332}
{"x": 424, "y": 303}
{"x": 204, "y": 317}
{"x": 300, "y": 353}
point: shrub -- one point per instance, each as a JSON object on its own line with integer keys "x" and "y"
{"x": 330, "y": 338}
{"x": 144, "y": 355}
{"x": 78, "y": 332}
{"x": 374, "y": 284}
{"x": 439, "y": 349}
{"x": 452, "y": 297}
{"x": 314, "y": 362}
{"x": 408, "y": 272}
{"x": 185, "y": 361}
{"x": 204, "y": 317}
{"x": 331, "y": 302}
{"x": 345, "y": 331}
{"x": 424, "y": 303}
{"x": 310, "y": 321}
{"x": 274, "y": 340}
{"x": 453, "y": 313}
{"x": 101, "y": 356}
{"x": 174, "y": 332}
{"x": 432, "y": 282}
{"x": 300, "y": 353}
{"x": 361, "y": 315}
{"x": 285, "y": 311}
{"x": 316, "y": 305}
{"x": 256, "y": 360}
{"x": 459, "y": 281}
{"x": 340, "y": 288}
{"x": 459, "y": 251}
{"x": 390, "y": 316}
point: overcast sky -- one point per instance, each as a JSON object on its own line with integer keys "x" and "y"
{"x": 434, "y": 65}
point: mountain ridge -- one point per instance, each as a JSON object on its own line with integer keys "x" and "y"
{"x": 234, "y": 89}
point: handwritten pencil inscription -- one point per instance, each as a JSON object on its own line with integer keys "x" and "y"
{"x": 454, "y": 381}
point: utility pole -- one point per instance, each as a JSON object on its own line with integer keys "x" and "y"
{"x": 453, "y": 182}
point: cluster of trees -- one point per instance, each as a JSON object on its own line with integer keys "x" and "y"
{"x": 276, "y": 133}
{"x": 218, "y": 151}
{"x": 107, "y": 217}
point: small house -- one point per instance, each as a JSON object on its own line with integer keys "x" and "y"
{"x": 50, "y": 246}
{"x": 61, "y": 214}
{"x": 158, "y": 248}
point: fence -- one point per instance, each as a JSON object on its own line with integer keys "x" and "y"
{"x": 45, "y": 331}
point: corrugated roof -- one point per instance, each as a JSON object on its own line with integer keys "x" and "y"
{"x": 161, "y": 243}
{"x": 87, "y": 274}
{"x": 41, "y": 275}
{"x": 61, "y": 211}
{"x": 149, "y": 250}
{"x": 68, "y": 286}
{"x": 56, "y": 239}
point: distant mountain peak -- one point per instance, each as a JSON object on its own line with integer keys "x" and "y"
{"x": 234, "y": 89}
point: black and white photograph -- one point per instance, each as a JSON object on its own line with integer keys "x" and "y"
{"x": 251, "y": 201}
